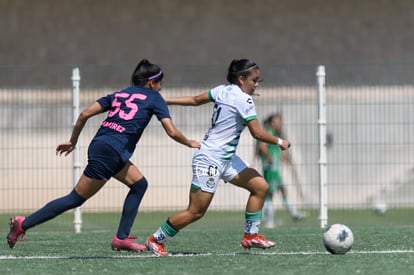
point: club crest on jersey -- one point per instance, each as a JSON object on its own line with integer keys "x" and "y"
{"x": 210, "y": 183}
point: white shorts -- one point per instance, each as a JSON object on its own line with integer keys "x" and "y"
{"x": 207, "y": 171}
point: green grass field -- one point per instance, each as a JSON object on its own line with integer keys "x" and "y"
{"x": 383, "y": 245}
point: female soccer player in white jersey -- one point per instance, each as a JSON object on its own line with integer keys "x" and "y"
{"x": 233, "y": 110}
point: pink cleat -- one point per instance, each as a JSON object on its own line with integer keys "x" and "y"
{"x": 128, "y": 244}
{"x": 256, "y": 241}
{"x": 16, "y": 231}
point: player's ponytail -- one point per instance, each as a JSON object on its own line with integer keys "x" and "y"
{"x": 146, "y": 71}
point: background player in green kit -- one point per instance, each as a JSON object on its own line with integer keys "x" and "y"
{"x": 271, "y": 157}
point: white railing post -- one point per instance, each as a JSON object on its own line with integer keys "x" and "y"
{"x": 323, "y": 187}
{"x": 77, "y": 220}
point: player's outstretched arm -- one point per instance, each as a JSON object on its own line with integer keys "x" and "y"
{"x": 258, "y": 133}
{"x": 188, "y": 100}
{"x": 67, "y": 147}
{"x": 176, "y": 135}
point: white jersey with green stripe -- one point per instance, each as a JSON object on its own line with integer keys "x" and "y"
{"x": 232, "y": 110}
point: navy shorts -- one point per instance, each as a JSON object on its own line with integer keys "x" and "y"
{"x": 103, "y": 161}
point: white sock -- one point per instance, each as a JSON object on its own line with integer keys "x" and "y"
{"x": 290, "y": 208}
{"x": 252, "y": 227}
{"x": 268, "y": 212}
{"x": 160, "y": 236}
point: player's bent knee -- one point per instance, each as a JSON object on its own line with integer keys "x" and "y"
{"x": 261, "y": 188}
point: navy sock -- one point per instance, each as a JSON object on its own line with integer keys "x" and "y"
{"x": 53, "y": 209}
{"x": 130, "y": 209}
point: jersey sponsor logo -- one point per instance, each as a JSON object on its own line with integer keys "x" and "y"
{"x": 248, "y": 109}
{"x": 209, "y": 171}
{"x": 212, "y": 170}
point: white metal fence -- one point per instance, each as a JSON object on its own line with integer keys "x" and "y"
{"x": 369, "y": 138}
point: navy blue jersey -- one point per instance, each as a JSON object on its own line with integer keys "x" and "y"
{"x": 130, "y": 111}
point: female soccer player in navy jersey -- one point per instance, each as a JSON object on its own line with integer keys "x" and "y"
{"x": 233, "y": 110}
{"x": 130, "y": 111}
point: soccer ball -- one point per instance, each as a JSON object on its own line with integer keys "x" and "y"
{"x": 338, "y": 239}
